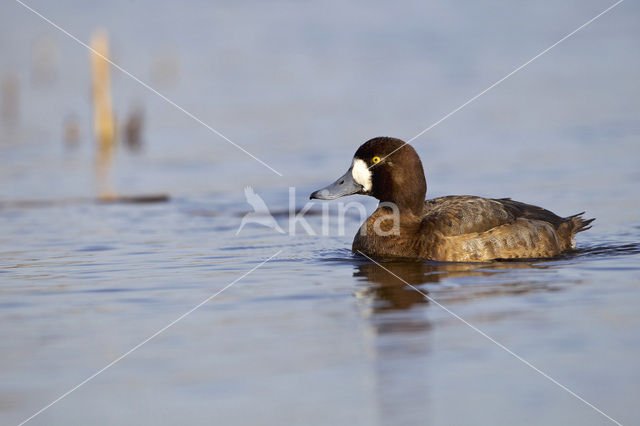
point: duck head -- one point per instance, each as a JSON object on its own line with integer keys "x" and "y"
{"x": 385, "y": 168}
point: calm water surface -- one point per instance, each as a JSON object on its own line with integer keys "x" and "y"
{"x": 317, "y": 335}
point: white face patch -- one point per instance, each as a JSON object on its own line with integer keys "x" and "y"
{"x": 361, "y": 174}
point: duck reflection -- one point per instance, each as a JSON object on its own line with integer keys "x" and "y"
{"x": 389, "y": 284}
{"x": 401, "y": 337}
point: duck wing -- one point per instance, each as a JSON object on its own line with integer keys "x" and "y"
{"x": 463, "y": 214}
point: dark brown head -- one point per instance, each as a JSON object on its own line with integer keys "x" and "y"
{"x": 385, "y": 168}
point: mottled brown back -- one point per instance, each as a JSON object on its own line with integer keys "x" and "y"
{"x": 462, "y": 214}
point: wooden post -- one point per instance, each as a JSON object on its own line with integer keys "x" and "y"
{"x": 103, "y": 121}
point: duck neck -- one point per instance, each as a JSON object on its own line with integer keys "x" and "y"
{"x": 405, "y": 187}
{"x": 408, "y": 203}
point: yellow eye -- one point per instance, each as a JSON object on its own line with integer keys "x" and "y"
{"x": 375, "y": 159}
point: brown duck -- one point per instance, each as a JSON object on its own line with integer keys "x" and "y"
{"x": 459, "y": 228}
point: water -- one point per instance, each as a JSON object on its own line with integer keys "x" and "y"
{"x": 317, "y": 335}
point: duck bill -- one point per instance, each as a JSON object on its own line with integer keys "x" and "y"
{"x": 345, "y": 185}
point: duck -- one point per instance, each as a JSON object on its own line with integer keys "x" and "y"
{"x": 454, "y": 228}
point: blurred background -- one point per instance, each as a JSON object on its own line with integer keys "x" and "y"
{"x": 107, "y": 235}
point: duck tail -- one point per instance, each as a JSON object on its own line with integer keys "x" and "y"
{"x": 578, "y": 223}
{"x": 570, "y": 227}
